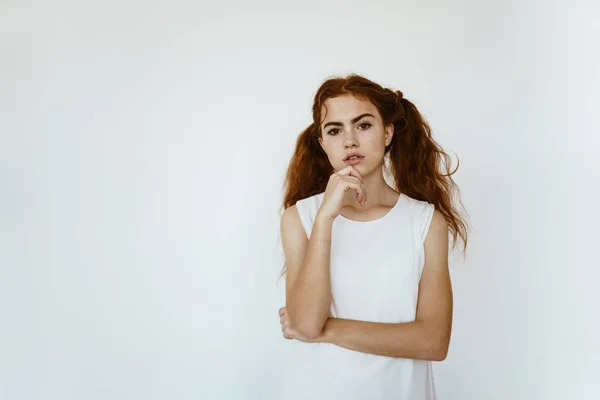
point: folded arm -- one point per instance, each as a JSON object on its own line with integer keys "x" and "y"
{"x": 308, "y": 287}
{"x": 428, "y": 337}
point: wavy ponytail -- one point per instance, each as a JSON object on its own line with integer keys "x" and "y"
{"x": 414, "y": 156}
{"x": 415, "y": 160}
{"x": 309, "y": 169}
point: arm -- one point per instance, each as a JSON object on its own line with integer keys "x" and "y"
{"x": 428, "y": 337}
{"x": 308, "y": 288}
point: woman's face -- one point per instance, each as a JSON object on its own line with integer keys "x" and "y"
{"x": 353, "y": 125}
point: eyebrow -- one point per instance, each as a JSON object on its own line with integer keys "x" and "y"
{"x": 353, "y": 121}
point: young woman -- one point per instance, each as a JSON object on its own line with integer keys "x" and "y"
{"x": 368, "y": 293}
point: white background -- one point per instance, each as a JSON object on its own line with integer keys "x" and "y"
{"x": 142, "y": 155}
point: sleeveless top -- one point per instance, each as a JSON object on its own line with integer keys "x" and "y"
{"x": 375, "y": 271}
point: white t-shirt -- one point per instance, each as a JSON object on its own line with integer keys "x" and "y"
{"x": 375, "y": 271}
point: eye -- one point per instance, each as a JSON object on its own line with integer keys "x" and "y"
{"x": 368, "y": 125}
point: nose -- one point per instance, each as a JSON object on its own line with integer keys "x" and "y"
{"x": 350, "y": 140}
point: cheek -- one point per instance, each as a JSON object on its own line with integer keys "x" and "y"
{"x": 373, "y": 139}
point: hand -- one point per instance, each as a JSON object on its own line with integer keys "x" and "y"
{"x": 288, "y": 330}
{"x": 339, "y": 183}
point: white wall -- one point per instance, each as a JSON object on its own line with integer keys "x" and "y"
{"x": 142, "y": 153}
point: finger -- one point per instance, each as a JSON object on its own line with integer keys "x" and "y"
{"x": 363, "y": 196}
{"x": 361, "y": 193}
{"x": 350, "y": 170}
{"x": 282, "y": 311}
{"x": 350, "y": 178}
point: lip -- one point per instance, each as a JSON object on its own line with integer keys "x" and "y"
{"x": 354, "y": 161}
{"x": 352, "y": 154}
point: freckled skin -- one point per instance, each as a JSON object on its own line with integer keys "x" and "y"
{"x": 337, "y": 141}
{"x": 368, "y": 136}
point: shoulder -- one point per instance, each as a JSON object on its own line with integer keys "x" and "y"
{"x": 421, "y": 208}
{"x": 311, "y": 201}
{"x": 438, "y": 220}
{"x": 293, "y": 236}
{"x": 416, "y": 202}
{"x": 308, "y": 207}
{"x": 437, "y": 234}
{"x": 290, "y": 215}
{"x": 426, "y": 217}
{"x": 292, "y": 224}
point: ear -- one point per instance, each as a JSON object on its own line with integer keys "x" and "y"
{"x": 389, "y": 133}
{"x": 321, "y": 143}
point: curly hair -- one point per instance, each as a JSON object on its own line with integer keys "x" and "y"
{"x": 414, "y": 156}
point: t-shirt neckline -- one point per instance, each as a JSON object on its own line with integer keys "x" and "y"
{"x": 384, "y": 216}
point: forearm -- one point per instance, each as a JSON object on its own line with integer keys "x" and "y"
{"x": 416, "y": 340}
{"x": 310, "y": 297}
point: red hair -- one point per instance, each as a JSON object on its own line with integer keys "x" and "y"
{"x": 414, "y": 156}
